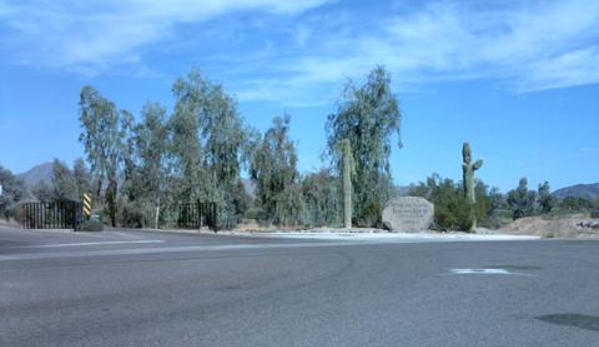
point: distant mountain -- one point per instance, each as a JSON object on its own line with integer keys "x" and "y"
{"x": 586, "y": 191}
{"x": 41, "y": 172}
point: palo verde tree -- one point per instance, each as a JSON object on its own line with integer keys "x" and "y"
{"x": 453, "y": 211}
{"x": 367, "y": 116}
{"x": 102, "y": 140}
{"x": 274, "y": 169}
{"x": 521, "y": 200}
{"x": 546, "y": 201}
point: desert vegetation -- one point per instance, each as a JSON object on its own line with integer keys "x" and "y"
{"x": 140, "y": 168}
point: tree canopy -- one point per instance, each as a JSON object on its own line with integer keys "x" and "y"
{"x": 368, "y": 116}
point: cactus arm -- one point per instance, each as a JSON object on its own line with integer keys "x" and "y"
{"x": 477, "y": 165}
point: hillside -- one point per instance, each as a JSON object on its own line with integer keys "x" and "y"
{"x": 586, "y": 191}
{"x": 41, "y": 172}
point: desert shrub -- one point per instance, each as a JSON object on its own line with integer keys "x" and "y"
{"x": 452, "y": 210}
{"x": 370, "y": 216}
{"x": 92, "y": 225}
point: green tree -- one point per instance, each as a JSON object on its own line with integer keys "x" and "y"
{"x": 452, "y": 208}
{"x": 521, "y": 200}
{"x": 367, "y": 116}
{"x": 185, "y": 151}
{"x": 321, "y": 196}
{"x": 63, "y": 182}
{"x": 82, "y": 177}
{"x": 205, "y": 108}
{"x": 496, "y": 201}
{"x": 575, "y": 203}
{"x": 241, "y": 200}
{"x": 13, "y": 190}
{"x": 43, "y": 191}
{"x": 128, "y": 153}
{"x": 152, "y": 146}
{"x": 545, "y": 200}
{"x": 274, "y": 169}
{"x": 102, "y": 139}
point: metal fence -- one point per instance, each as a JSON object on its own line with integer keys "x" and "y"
{"x": 51, "y": 215}
{"x": 197, "y": 215}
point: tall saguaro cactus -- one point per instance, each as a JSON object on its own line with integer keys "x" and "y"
{"x": 468, "y": 168}
{"x": 347, "y": 185}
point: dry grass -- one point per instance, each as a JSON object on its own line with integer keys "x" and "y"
{"x": 564, "y": 226}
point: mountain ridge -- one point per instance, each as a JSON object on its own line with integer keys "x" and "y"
{"x": 585, "y": 191}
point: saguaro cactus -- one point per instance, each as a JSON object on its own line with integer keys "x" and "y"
{"x": 347, "y": 185}
{"x": 468, "y": 169}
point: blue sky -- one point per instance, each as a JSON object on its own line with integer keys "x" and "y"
{"x": 519, "y": 80}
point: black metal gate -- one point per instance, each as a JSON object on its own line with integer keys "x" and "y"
{"x": 197, "y": 215}
{"x": 51, "y": 215}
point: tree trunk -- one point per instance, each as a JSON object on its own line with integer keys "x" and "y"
{"x": 347, "y": 188}
{"x": 157, "y": 214}
{"x": 99, "y": 188}
{"x": 111, "y": 193}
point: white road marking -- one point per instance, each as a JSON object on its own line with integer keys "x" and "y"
{"x": 179, "y": 249}
{"x": 101, "y": 243}
{"x": 120, "y": 233}
{"x": 481, "y": 272}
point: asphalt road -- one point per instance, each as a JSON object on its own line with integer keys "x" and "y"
{"x": 155, "y": 289}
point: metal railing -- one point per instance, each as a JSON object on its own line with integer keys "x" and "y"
{"x": 51, "y": 215}
{"x": 197, "y": 215}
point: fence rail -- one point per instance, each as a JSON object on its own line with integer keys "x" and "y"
{"x": 51, "y": 215}
{"x": 197, "y": 215}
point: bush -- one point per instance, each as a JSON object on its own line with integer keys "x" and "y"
{"x": 92, "y": 225}
{"x": 254, "y": 213}
{"x": 452, "y": 209}
{"x": 371, "y": 216}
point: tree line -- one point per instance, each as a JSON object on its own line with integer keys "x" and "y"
{"x": 493, "y": 208}
{"x": 141, "y": 168}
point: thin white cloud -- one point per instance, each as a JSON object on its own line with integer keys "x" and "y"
{"x": 528, "y": 45}
{"x": 91, "y": 36}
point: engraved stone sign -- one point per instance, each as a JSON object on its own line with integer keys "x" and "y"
{"x": 408, "y": 214}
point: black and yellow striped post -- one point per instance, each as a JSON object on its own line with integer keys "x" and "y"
{"x": 87, "y": 205}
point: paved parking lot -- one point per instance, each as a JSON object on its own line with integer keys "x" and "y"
{"x": 138, "y": 288}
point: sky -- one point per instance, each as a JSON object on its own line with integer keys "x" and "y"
{"x": 519, "y": 80}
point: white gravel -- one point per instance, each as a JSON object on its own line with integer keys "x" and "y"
{"x": 377, "y": 236}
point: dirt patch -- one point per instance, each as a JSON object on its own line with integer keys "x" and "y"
{"x": 566, "y": 226}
